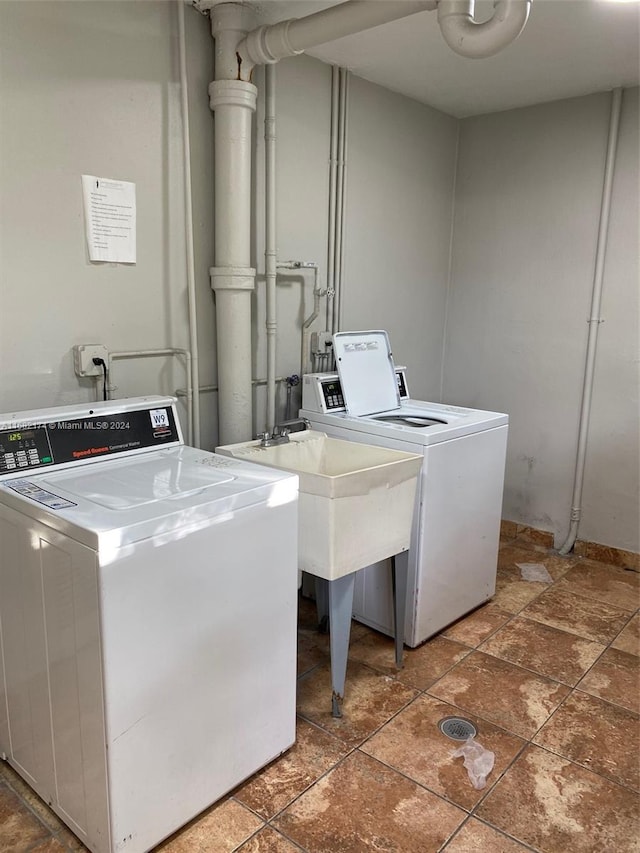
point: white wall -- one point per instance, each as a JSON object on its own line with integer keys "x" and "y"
{"x": 303, "y": 107}
{"x": 400, "y": 165}
{"x": 88, "y": 88}
{"x": 401, "y": 162}
{"x": 527, "y": 206}
{"x": 94, "y": 88}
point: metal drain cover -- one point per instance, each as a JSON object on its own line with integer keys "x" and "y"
{"x": 457, "y": 728}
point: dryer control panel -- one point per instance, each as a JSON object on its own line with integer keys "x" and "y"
{"x": 28, "y": 443}
{"x": 322, "y": 392}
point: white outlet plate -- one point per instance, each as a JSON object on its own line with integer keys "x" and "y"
{"x": 83, "y": 355}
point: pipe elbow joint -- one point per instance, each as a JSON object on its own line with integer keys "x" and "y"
{"x": 479, "y": 40}
{"x": 267, "y": 44}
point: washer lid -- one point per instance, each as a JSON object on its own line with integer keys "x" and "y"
{"x": 126, "y": 486}
{"x": 367, "y": 373}
{"x": 113, "y": 503}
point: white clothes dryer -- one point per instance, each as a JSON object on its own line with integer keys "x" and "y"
{"x": 456, "y": 522}
{"x": 148, "y": 596}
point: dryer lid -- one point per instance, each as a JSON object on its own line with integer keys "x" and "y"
{"x": 367, "y": 373}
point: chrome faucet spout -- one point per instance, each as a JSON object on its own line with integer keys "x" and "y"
{"x": 293, "y": 425}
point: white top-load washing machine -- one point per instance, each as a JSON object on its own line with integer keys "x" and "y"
{"x": 456, "y": 523}
{"x": 148, "y": 596}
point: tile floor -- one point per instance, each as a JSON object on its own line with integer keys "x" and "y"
{"x": 548, "y": 673}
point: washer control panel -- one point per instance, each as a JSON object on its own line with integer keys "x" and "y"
{"x": 322, "y": 392}
{"x": 23, "y": 449}
{"x": 26, "y": 444}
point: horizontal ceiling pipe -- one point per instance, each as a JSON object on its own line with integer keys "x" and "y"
{"x": 268, "y": 44}
{"x": 478, "y": 40}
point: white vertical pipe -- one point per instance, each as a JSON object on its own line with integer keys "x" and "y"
{"x": 343, "y": 216}
{"x": 341, "y": 199}
{"x": 194, "y": 404}
{"x": 333, "y": 155}
{"x": 232, "y": 278}
{"x": 270, "y": 238}
{"x": 339, "y": 189}
{"x": 594, "y": 322}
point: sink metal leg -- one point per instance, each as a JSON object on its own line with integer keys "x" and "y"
{"x": 340, "y": 609}
{"x": 399, "y": 578}
{"x": 322, "y": 604}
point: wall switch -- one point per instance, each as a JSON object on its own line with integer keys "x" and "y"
{"x": 83, "y": 355}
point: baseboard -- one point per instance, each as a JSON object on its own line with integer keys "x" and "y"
{"x": 590, "y": 550}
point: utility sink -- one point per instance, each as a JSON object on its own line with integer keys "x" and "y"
{"x": 355, "y": 502}
{"x": 355, "y": 507}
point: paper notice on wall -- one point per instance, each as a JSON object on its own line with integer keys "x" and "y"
{"x": 110, "y": 219}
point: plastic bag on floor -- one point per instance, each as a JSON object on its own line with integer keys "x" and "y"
{"x": 478, "y": 761}
{"x": 534, "y": 572}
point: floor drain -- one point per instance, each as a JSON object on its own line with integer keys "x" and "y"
{"x": 457, "y": 728}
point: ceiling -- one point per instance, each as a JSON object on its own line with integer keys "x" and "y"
{"x": 568, "y": 48}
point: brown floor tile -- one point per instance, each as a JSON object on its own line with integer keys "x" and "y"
{"x": 477, "y": 837}
{"x": 616, "y": 678}
{"x": 19, "y": 829}
{"x": 371, "y": 699}
{"x": 555, "y": 805}
{"x": 268, "y": 841}
{"x": 51, "y": 845}
{"x": 385, "y": 811}
{"x": 597, "y": 735}
{"x": 628, "y": 640}
{"x": 274, "y": 787}
{"x": 71, "y": 841}
{"x": 513, "y": 593}
{"x": 477, "y": 626}
{"x": 220, "y": 829}
{"x": 413, "y": 744}
{"x": 546, "y": 650}
{"x": 313, "y": 645}
{"x": 311, "y": 650}
{"x": 508, "y": 529}
{"x": 496, "y": 690}
{"x": 33, "y": 801}
{"x": 532, "y": 534}
{"x": 421, "y": 666}
{"x": 308, "y": 622}
{"x": 593, "y": 620}
{"x": 603, "y": 583}
{"x": 519, "y": 552}
{"x": 612, "y": 556}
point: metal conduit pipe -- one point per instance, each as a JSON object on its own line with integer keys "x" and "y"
{"x": 194, "y": 412}
{"x": 209, "y": 389}
{"x": 344, "y": 136}
{"x": 333, "y": 162}
{"x": 158, "y": 353}
{"x": 594, "y": 322}
{"x": 479, "y": 40}
{"x": 270, "y": 239}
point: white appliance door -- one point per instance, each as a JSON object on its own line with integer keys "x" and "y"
{"x": 366, "y": 370}
{"x": 199, "y": 651}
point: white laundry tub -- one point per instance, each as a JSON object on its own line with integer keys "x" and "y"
{"x": 356, "y": 501}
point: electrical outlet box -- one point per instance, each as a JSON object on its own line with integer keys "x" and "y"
{"x": 321, "y": 342}
{"x": 83, "y": 355}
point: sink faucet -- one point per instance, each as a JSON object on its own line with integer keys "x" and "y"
{"x": 281, "y": 432}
